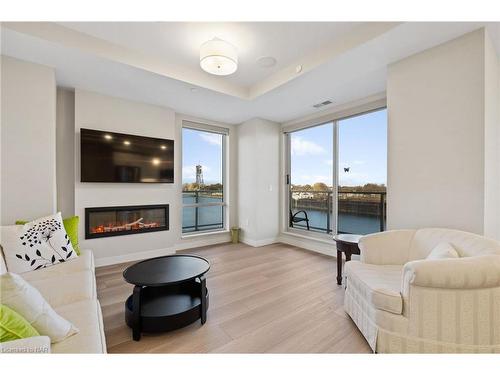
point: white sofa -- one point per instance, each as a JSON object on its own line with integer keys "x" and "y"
{"x": 404, "y": 303}
{"x": 71, "y": 290}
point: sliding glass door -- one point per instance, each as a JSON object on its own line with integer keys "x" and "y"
{"x": 362, "y": 174}
{"x": 336, "y": 176}
{"x": 310, "y": 179}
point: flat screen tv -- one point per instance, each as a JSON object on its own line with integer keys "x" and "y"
{"x": 115, "y": 157}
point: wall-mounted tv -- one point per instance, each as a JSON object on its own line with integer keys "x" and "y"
{"x": 115, "y": 157}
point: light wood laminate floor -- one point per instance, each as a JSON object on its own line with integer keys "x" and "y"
{"x": 271, "y": 299}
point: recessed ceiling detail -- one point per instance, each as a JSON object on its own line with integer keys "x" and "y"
{"x": 158, "y": 62}
{"x": 123, "y": 42}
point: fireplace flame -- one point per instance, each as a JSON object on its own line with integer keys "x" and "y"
{"x": 119, "y": 227}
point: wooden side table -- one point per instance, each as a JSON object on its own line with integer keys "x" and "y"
{"x": 347, "y": 244}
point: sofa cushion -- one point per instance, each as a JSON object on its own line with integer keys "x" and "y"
{"x": 22, "y": 297}
{"x": 86, "y": 315}
{"x": 66, "y": 289}
{"x": 379, "y": 285}
{"x": 84, "y": 262}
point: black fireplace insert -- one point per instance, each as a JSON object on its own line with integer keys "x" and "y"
{"x": 124, "y": 220}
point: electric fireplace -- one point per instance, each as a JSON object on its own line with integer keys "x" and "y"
{"x": 123, "y": 220}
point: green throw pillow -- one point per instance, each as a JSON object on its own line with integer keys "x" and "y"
{"x": 13, "y": 326}
{"x": 71, "y": 227}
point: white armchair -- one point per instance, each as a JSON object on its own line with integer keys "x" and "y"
{"x": 404, "y": 303}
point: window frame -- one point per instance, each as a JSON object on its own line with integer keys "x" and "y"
{"x": 224, "y": 132}
{"x": 288, "y": 166}
{"x": 333, "y": 118}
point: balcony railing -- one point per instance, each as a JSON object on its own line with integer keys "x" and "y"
{"x": 203, "y": 210}
{"x": 358, "y": 212}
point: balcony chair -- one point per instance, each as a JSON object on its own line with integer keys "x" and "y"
{"x": 295, "y": 219}
{"x": 403, "y": 302}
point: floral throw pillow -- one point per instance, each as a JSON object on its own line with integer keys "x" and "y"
{"x": 38, "y": 244}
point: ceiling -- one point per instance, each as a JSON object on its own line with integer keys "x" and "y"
{"x": 179, "y": 42}
{"x": 158, "y": 62}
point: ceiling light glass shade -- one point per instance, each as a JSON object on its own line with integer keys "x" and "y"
{"x": 218, "y": 57}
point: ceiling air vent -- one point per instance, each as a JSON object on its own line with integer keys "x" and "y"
{"x": 322, "y": 104}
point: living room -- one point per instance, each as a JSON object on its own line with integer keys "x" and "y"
{"x": 250, "y": 187}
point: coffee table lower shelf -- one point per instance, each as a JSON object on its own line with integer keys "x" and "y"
{"x": 166, "y": 308}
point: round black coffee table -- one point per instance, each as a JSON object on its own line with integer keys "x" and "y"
{"x": 170, "y": 292}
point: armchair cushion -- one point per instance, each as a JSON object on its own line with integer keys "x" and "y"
{"x": 443, "y": 250}
{"x": 386, "y": 248}
{"x": 466, "y": 244}
{"x": 379, "y": 285}
{"x": 459, "y": 273}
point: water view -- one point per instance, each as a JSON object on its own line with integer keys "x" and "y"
{"x": 366, "y": 220}
{"x": 202, "y": 218}
{"x": 350, "y": 153}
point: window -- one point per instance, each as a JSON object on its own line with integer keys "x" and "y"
{"x": 362, "y": 144}
{"x": 203, "y": 175}
{"x": 311, "y": 178}
{"x": 336, "y": 176}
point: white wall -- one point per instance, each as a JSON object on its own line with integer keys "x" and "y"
{"x": 258, "y": 181}
{"x": 28, "y": 137}
{"x": 492, "y": 142}
{"x": 65, "y": 151}
{"x": 436, "y": 140}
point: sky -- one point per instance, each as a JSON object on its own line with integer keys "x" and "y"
{"x": 362, "y": 149}
{"x": 203, "y": 148}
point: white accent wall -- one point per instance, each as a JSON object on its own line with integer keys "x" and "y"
{"x": 101, "y": 112}
{"x": 258, "y": 181}
{"x": 28, "y": 138}
{"x": 436, "y": 138}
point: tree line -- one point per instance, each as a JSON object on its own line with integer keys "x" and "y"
{"x": 193, "y": 186}
{"x": 321, "y": 186}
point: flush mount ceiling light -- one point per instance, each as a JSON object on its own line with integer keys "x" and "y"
{"x": 218, "y": 57}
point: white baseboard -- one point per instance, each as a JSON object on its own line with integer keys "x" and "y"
{"x": 319, "y": 246}
{"x": 258, "y": 243}
{"x": 108, "y": 261}
{"x": 183, "y": 245}
{"x": 192, "y": 243}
